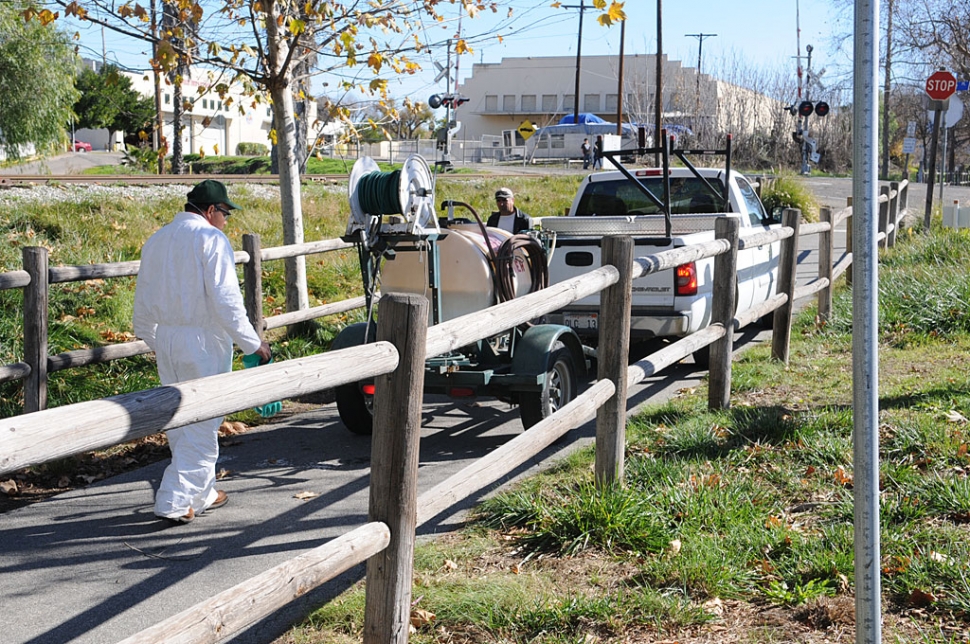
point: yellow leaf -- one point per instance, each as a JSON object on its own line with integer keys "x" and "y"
{"x": 616, "y": 12}
{"x": 272, "y": 135}
{"x": 461, "y": 47}
{"x": 599, "y": 4}
{"x": 556, "y": 5}
{"x": 47, "y": 16}
{"x": 297, "y": 26}
{"x": 375, "y": 60}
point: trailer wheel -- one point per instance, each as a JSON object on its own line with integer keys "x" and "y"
{"x": 558, "y": 389}
{"x": 356, "y": 408}
{"x": 702, "y": 357}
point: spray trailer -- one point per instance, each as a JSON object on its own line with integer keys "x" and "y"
{"x": 462, "y": 267}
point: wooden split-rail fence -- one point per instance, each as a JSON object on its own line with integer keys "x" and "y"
{"x": 396, "y": 360}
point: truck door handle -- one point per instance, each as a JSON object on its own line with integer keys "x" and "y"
{"x": 579, "y": 258}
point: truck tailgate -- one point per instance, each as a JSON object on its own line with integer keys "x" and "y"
{"x": 574, "y": 256}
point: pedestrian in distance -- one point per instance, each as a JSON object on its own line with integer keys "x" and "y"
{"x": 598, "y": 153}
{"x": 587, "y": 151}
{"x": 508, "y": 216}
{"x": 189, "y": 310}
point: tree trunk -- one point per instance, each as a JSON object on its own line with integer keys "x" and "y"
{"x": 278, "y": 83}
{"x": 178, "y": 159}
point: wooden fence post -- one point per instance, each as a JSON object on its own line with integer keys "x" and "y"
{"x": 612, "y": 357}
{"x": 724, "y": 302}
{"x": 848, "y": 240}
{"x": 893, "y": 213}
{"x": 826, "y": 241}
{"x": 394, "y": 468}
{"x": 253, "y": 283}
{"x": 787, "y": 265}
{"x": 35, "y": 328}
{"x": 883, "y": 213}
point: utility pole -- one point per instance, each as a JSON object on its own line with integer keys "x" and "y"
{"x": 619, "y": 89}
{"x": 159, "y": 120}
{"x": 579, "y": 56}
{"x": 659, "y": 93}
{"x": 884, "y": 174}
{"x": 700, "y": 48}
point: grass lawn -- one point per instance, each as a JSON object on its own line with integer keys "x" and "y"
{"x": 736, "y": 526}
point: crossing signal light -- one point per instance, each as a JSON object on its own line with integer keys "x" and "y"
{"x": 446, "y": 100}
{"x": 805, "y": 108}
{"x": 821, "y": 108}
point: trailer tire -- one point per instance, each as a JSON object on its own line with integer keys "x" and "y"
{"x": 559, "y": 388}
{"x": 702, "y": 357}
{"x": 356, "y": 411}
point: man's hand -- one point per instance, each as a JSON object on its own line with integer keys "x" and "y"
{"x": 264, "y": 352}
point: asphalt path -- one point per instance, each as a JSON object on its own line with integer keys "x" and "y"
{"x": 94, "y": 566}
{"x": 69, "y": 163}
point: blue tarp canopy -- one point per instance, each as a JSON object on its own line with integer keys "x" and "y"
{"x": 583, "y": 118}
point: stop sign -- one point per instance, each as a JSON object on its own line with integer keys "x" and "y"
{"x": 941, "y": 85}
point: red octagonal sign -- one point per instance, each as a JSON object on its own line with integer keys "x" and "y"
{"x": 941, "y": 85}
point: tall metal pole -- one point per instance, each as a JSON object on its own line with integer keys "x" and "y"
{"x": 865, "y": 319}
{"x": 619, "y": 82}
{"x": 579, "y": 58}
{"x": 659, "y": 94}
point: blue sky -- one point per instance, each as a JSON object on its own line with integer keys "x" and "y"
{"x": 761, "y": 33}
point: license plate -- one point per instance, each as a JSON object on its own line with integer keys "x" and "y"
{"x": 582, "y": 321}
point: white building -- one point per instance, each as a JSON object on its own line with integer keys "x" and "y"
{"x": 541, "y": 89}
{"x": 213, "y": 126}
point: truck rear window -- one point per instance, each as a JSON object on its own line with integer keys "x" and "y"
{"x": 620, "y": 197}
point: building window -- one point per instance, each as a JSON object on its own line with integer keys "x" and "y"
{"x": 168, "y": 99}
{"x": 491, "y": 103}
{"x": 549, "y": 102}
{"x": 568, "y": 103}
{"x": 611, "y": 103}
{"x": 591, "y": 103}
{"x": 528, "y": 102}
{"x": 269, "y": 111}
{"x": 508, "y": 103}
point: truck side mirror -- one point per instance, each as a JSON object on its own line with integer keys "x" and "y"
{"x": 775, "y": 216}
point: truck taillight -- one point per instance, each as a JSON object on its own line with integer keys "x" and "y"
{"x": 686, "y": 280}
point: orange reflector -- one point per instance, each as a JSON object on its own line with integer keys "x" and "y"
{"x": 368, "y": 390}
{"x": 461, "y": 392}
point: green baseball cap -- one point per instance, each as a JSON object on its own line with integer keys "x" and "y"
{"x": 210, "y": 192}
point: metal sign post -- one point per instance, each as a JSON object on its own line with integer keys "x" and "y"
{"x": 865, "y": 321}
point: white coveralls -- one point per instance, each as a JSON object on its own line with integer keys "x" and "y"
{"x": 189, "y": 310}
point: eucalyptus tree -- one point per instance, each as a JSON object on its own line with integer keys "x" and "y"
{"x": 37, "y": 70}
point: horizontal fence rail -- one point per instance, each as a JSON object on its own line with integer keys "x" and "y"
{"x": 50, "y": 434}
{"x": 73, "y": 429}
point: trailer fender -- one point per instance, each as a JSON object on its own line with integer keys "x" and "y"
{"x": 533, "y": 350}
{"x": 353, "y": 336}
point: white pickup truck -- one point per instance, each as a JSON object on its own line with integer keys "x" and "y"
{"x": 672, "y": 303}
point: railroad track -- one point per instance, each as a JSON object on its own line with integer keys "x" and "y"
{"x": 9, "y": 181}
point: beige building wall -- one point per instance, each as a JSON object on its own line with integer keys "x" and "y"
{"x": 541, "y": 90}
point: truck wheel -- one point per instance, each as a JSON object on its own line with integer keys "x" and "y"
{"x": 557, "y": 391}
{"x": 356, "y": 409}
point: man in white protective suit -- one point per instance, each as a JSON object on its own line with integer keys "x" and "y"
{"x": 189, "y": 310}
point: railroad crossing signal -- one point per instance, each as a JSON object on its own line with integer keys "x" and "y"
{"x": 526, "y": 129}
{"x": 941, "y": 85}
